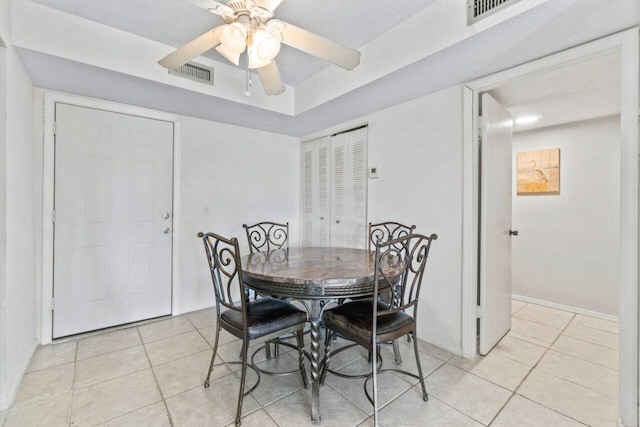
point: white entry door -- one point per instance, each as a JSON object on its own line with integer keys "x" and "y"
{"x": 113, "y": 219}
{"x": 495, "y": 223}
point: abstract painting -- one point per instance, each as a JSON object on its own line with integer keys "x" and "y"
{"x": 538, "y": 172}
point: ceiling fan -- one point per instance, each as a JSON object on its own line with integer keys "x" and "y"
{"x": 251, "y": 27}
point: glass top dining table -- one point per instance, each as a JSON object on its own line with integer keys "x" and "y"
{"x": 314, "y": 275}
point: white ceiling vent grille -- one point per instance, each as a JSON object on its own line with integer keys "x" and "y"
{"x": 480, "y": 9}
{"x": 193, "y": 71}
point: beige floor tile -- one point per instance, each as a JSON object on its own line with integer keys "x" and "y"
{"x": 595, "y": 323}
{"x": 50, "y": 412}
{"x": 570, "y": 399}
{"x": 590, "y": 375}
{"x": 108, "y": 366}
{"x": 594, "y": 353}
{"x": 389, "y": 387}
{"x": 533, "y": 332}
{"x": 213, "y": 406}
{"x": 410, "y": 410}
{"x": 203, "y": 318}
{"x": 545, "y": 315}
{"x": 165, "y": 328}
{"x": 53, "y": 355}
{"x": 210, "y": 335}
{"x": 272, "y": 388}
{"x": 44, "y": 384}
{"x": 434, "y": 350}
{"x": 257, "y": 419}
{"x": 107, "y": 342}
{"x": 522, "y": 412}
{"x": 335, "y": 411}
{"x": 154, "y": 415}
{"x": 173, "y": 348}
{"x": 428, "y": 362}
{"x": 111, "y": 399}
{"x": 472, "y": 395}
{"x": 519, "y": 350}
{"x": 516, "y": 305}
{"x": 230, "y": 352}
{"x": 594, "y": 336}
{"x": 495, "y": 368}
{"x": 186, "y": 373}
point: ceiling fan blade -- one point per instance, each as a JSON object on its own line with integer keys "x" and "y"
{"x": 270, "y": 5}
{"x": 192, "y": 49}
{"x": 270, "y": 78}
{"x": 316, "y": 45}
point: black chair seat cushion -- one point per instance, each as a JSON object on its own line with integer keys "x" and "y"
{"x": 352, "y": 320}
{"x": 264, "y": 316}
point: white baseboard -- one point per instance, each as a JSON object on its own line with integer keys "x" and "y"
{"x": 566, "y": 308}
{"x": 434, "y": 341}
{"x": 7, "y": 401}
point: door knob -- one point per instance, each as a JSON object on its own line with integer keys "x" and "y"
{"x": 165, "y": 230}
{"x": 165, "y": 215}
{"x": 513, "y": 232}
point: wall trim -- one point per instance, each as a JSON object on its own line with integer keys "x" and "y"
{"x": 7, "y": 401}
{"x": 50, "y": 99}
{"x": 563, "y": 307}
{"x": 627, "y": 42}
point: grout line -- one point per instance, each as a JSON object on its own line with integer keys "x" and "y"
{"x": 166, "y": 407}
{"x": 73, "y": 383}
{"x": 547, "y": 349}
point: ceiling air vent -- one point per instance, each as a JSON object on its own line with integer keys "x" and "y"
{"x": 480, "y": 9}
{"x": 193, "y": 71}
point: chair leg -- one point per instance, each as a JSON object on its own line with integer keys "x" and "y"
{"x": 243, "y": 378}
{"x": 328, "y": 338}
{"x": 267, "y": 350}
{"x": 276, "y": 349}
{"x": 213, "y": 357}
{"x": 425, "y": 395}
{"x": 396, "y": 352}
{"x": 374, "y": 367}
{"x": 303, "y": 369}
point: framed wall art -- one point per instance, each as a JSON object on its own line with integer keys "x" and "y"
{"x": 538, "y": 172}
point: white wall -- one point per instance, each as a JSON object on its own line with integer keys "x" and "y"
{"x": 17, "y": 220}
{"x": 243, "y": 176}
{"x": 417, "y": 147}
{"x": 568, "y": 248}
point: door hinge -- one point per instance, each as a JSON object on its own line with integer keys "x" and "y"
{"x": 478, "y": 312}
{"x": 53, "y": 215}
{"x": 53, "y": 303}
{"x": 55, "y": 127}
{"x": 480, "y": 122}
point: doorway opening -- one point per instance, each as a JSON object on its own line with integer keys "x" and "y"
{"x": 612, "y": 119}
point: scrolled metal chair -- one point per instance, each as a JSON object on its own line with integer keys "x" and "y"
{"x": 389, "y": 230}
{"x": 265, "y": 236}
{"x": 264, "y": 318}
{"x": 385, "y": 231}
{"x": 399, "y": 268}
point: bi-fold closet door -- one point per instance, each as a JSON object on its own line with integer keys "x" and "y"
{"x": 334, "y": 190}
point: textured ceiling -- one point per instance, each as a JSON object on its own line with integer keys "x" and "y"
{"x": 580, "y": 91}
{"x": 549, "y": 27}
{"x": 176, "y": 22}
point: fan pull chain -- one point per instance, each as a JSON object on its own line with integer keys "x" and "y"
{"x": 247, "y": 91}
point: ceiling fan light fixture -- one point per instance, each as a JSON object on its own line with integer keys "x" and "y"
{"x": 267, "y": 44}
{"x": 234, "y": 37}
{"x": 233, "y": 57}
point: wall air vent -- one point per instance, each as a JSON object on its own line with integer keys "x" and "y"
{"x": 194, "y": 71}
{"x": 480, "y": 9}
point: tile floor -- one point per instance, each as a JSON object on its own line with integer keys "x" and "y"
{"x": 553, "y": 368}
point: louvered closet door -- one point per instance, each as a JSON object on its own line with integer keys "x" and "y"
{"x": 349, "y": 189}
{"x": 316, "y": 225}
